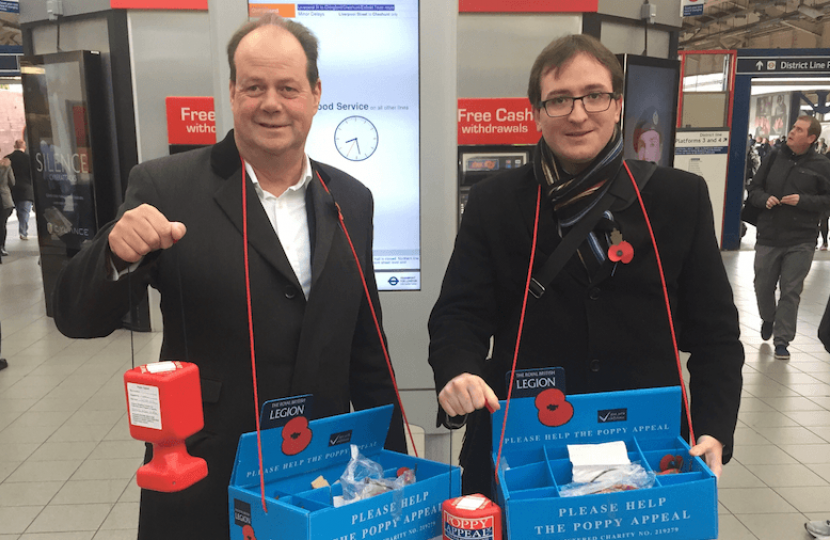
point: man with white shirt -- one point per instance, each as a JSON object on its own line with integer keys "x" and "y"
{"x": 313, "y": 332}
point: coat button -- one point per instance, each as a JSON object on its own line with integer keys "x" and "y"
{"x": 595, "y": 365}
{"x": 290, "y": 292}
{"x": 593, "y": 294}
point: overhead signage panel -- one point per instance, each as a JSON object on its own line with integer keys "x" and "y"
{"x": 9, "y": 6}
{"x": 782, "y": 65}
{"x": 691, "y": 8}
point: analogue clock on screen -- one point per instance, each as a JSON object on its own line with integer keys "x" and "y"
{"x": 356, "y": 138}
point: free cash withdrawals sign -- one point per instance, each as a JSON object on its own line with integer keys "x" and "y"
{"x": 190, "y": 120}
{"x": 496, "y": 121}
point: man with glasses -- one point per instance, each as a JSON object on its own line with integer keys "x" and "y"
{"x": 602, "y": 317}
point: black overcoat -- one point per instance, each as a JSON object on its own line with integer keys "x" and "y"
{"x": 609, "y": 330}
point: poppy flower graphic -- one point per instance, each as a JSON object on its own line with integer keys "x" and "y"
{"x": 295, "y": 436}
{"x": 622, "y": 252}
{"x": 554, "y": 409}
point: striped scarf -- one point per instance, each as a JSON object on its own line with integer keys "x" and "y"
{"x": 573, "y": 197}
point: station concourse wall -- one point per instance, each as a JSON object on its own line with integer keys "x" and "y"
{"x": 160, "y": 53}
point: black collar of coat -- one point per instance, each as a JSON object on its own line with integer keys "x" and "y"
{"x": 224, "y": 157}
{"x": 792, "y": 155}
{"x": 622, "y": 188}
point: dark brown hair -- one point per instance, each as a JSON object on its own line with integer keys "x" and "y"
{"x": 815, "y": 126}
{"x": 307, "y": 41}
{"x": 559, "y": 52}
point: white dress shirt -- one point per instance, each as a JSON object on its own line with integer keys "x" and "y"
{"x": 288, "y": 216}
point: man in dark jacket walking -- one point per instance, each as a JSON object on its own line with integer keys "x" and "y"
{"x": 793, "y": 188}
{"x": 22, "y": 192}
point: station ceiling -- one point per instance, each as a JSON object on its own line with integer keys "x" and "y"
{"x": 737, "y": 24}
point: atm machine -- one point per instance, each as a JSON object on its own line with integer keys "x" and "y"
{"x": 494, "y": 135}
{"x": 477, "y": 162}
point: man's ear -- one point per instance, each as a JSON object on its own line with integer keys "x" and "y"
{"x": 537, "y": 118}
{"x": 317, "y": 91}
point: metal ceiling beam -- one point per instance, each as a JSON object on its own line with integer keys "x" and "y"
{"x": 756, "y": 28}
{"x": 758, "y": 8}
{"x": 796, "y": 27}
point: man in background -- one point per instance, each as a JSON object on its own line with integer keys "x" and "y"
{"x": 793, "y": 189}
{"x": 22, "y": 193}
{"x": 762, "y": 145}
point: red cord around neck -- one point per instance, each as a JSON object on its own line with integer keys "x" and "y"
{"x": 668, "y": 305}
{"x": 521, "y": 325}
{"x": 374, "y": 314}
{"x": 251, "y": 331}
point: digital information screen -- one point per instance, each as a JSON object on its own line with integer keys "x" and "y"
{"x": 368, "y": 120}
{"x": 650, "y": 109}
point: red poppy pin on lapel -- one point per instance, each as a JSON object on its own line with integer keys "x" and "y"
{"x": 620, "y": 250}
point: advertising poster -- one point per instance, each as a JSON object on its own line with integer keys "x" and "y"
{"x": 367, "y": 123}
{"x": 649, "y": 109}
{"x": 60, "y": 146}
{"x": 706, "y": 153}
{"x": 75, "y": 184}
{"x": 10, "y": 24}
{"x": 769, "y": 116}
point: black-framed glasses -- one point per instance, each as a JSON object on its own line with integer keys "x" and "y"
{"x": 564, "y": 105}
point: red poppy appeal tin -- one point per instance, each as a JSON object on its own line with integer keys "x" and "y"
{"x": 471, "y": 516}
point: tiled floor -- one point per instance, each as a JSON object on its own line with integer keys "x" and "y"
{"x": 67, "y": 462}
